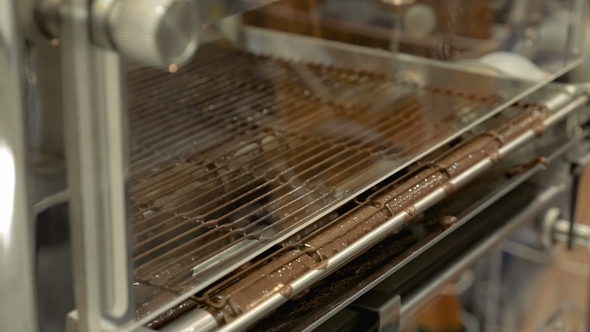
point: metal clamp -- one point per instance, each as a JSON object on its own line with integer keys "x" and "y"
{"x": 386, "y": 306}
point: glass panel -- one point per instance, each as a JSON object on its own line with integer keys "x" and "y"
{"x": 525, "y": 39}
{"x": 289, "y": 111}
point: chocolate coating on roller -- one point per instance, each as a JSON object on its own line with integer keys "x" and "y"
{"x": 416, "y": 192}
{"x": 404, "y": 186}
{"x": 338, "y": 236}
{"x": 287, "y": 291}
{"x": 265, "y": 281}
{"x": 531, "y": 119}
{"x": 467, "y": 156}
{"x": 275, "y": 277}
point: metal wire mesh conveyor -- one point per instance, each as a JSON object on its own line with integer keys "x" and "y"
{"x": 237, "y": 148}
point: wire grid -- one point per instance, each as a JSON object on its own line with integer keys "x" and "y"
{"x": 236, "y": 146}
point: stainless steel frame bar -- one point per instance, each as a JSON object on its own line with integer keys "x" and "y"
{"x": 17, "y": 273}
{"x": 95, "y": 132}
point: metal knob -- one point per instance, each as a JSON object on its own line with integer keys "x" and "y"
{"x": 155, "y": 33}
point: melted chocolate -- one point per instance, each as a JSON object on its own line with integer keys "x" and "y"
{"x": 520, "y": 169}
{"x": 532, "y": 119}
{"x": 276, "y": 276}
{"x": 448, "y": 187}
{"x": 467, "y": 156}
{"x": 265, "y": 281}
{"x": 172, "y": 314}
{"x": 416, "y": 192}
{"x": 371, "y": 213}
{"x": 410, "y": 210}
{"x": 287, "y": 291}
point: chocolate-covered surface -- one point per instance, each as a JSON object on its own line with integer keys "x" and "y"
{"x": 172, "y": 313}
{"x": 392, "y": 200}
{"x": 270, "y": 279}
{"x": 465, "y": 157}
{"x": 531, "y": 119}
{"x": 235, "y": 146}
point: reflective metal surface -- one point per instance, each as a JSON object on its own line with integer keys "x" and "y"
{"x": 158, "y": 33}
{"x": 93, "y": 90}
{"x": 398, "y": 220}
{"x": 192, "y": 321}
{"x": 233, "y": 154}
{"x": 395, "y": 254}
{"x": 17, "y": 291}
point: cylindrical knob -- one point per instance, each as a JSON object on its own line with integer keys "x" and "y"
{"x": 155, "y": 32}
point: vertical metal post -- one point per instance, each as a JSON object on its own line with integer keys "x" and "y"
{"x": 93, "y": 85}
{"x": 18, "y": 310}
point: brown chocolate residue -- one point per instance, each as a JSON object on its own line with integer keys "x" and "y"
{"x": 407, "y": 218}
{"x": 265, "y": 281}
{"x": 301, "y": 294}
{"x": 523, "y": 168}
{"x": 469, "y": 155}
{"x": 495, "y": 157}
{"x": 218, "y": 315}
{"x": 410, "y": 210}
{"x": 496, "y": 137}
{"x": 447, "y": 222}
{"x": 401, "y": 197}
{"x": 402, "y": 187}
{"x": 539, "y": 130}
{"x": 543, "y": 161}
{"x": 172, "y": 314}
{"x": 448, "y": 187}
{"x": 347, "y": 225}
{"x": 287, "y": 291}
{"x": 531, "y": 119}
{"x": 415, "y": 193}
{"x": 217, "y": 302}
{"x": 323, "y": 265}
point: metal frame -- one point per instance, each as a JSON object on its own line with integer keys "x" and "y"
{"x": 95, "y": 133}
{"x": 96, "y": 168}
{"x": 17, "y": 274}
